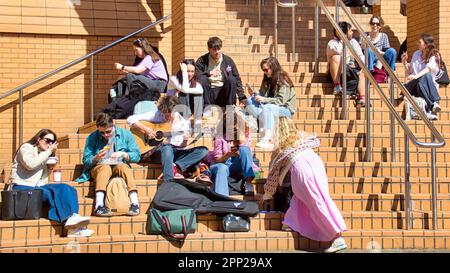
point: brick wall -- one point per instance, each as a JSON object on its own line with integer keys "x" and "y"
{"x": 193, "y": 23}
{"x": 39, "y": 36}
{"x": 394, "y": 22}
{"x": 423, "y": 16}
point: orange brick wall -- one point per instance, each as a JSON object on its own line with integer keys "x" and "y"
{"x": 394, "y": 22}
{"x": 84, "y": 17}
{"x": 61, "y": 102}
{"x": 424, "y": 16}
{"x": 194, "y": 22}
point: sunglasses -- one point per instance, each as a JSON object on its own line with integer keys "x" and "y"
{"x": 49, "y": 141}
{"x": 375, "y": 24}
{"x": 265, "y": 70}
{"x": 106, "y": 132}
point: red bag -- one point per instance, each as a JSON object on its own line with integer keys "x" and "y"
{"x": 380, "y": 75}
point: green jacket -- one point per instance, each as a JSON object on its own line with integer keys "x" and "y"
{"x": 285, "y": 96}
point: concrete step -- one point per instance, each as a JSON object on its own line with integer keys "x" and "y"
{"x": 44, "y": 229}
{"x": 328, "y": 154}
{"x": 373, "y": 240}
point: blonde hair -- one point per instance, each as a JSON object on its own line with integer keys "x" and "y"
{"x": 288, "y": 135}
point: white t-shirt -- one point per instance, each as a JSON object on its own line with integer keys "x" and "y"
{"x": 335, "y": 47}
{"x": 418, "y": 64}
{"x": 179, "y": 124}
{"x": 175, "y": 84}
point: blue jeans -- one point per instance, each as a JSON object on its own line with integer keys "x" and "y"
{"x": 390, "y": 57}
{"x": 266, "y": 112}
{"x": 242, "y": 164}
{"x": 62, "y": 198}
{"x": 183, "y": 158}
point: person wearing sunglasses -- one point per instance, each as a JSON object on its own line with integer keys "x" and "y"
{"x": 381, "y": 41}
{"x": 276, "y": 98}
{"x": 110, "y": 143}
{"x": 31, "y": 171}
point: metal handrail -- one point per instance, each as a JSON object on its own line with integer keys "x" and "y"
{"x": 292, "y": 5}
{"x": 408, "y": 134}
{"x": 68, "y": 65}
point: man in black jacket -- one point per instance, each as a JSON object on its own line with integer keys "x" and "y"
{"x": 219, "y": 76}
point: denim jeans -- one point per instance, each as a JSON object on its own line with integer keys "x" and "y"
{"x": 167, "y": 155}
{"x": 390, "y": 57}
{"x": 266, "y": 112}
{"x": 232, "y": 167}
{"x": 425, "y": 88}
{"x": 62, "y": 198}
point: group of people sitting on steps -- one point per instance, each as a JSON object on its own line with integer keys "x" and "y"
{"x": 423, "y": 74}
{"x": 212, "y": 80}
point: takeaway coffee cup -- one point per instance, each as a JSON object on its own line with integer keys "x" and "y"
{"x": 52, "y": 160}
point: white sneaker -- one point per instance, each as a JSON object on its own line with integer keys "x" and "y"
{"x": 79, "y": 232}
{"x": 431, "y": 116}
{"x": 436, "y": 108}
{"x": 265, "y": 144}
{"x": 76, "y": 221}
{"x": 337, "y": 245}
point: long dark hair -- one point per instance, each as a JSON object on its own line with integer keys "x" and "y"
{"x": 193, "y": 81}
{"x": 148, "y": 49}
{"x": 41, "y": 134}
{"x": 430, "y": 49}
{"x": 279, "y": 76}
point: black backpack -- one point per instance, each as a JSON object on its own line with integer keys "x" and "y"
{"x": 183, "y": 194}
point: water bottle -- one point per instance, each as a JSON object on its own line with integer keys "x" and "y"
{"x": 112, "y": 94}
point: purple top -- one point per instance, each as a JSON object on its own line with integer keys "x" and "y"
{"x": 154, "y": 71}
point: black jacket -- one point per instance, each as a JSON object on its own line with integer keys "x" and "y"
{"x": 201, "y": 65}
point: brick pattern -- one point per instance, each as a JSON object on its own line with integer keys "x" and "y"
{"x": 85, "y": 17}
{"x": 26, "y": 57}
{"x": 425, "y": 16}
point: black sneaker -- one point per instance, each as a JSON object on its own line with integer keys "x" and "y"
{"x": 103, "y": 211}
{"x": 134, "y": 210}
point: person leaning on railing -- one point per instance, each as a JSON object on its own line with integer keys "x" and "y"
{"x": 421, "y": 74}
{"x": 334, "y": 59}
{"x": 30, "y": 170}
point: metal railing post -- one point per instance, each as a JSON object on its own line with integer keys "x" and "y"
{"x": 407, "y": 185}
{"x": 20, "y": 117}
{"x": 275, "y": 28}
{"x": 434, "y": 186}
{"x": 92, "y": 89}
{"x": 391, "y": 117}
{"x": 344, "y": 81}
{"x": 336, "y": 14}
{"x": 293, "y": 33}
{"x": 259, "y": 13}
{"x": 368, "y": 118}
{"x": 316, "y": 39}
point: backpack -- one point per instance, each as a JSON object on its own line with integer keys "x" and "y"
{"x": 380, "y": 75}
{"x": 117, "y": 199}
{"x": 410, "y": 112}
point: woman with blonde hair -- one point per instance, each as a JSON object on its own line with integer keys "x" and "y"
{"x": 312, "y": 212}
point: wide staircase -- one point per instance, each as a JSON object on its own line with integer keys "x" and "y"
{"x": 370, "y": 195}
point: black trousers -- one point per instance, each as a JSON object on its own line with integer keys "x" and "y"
{"x": 221, "y": 96}
{"x": 424, "y": 87}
